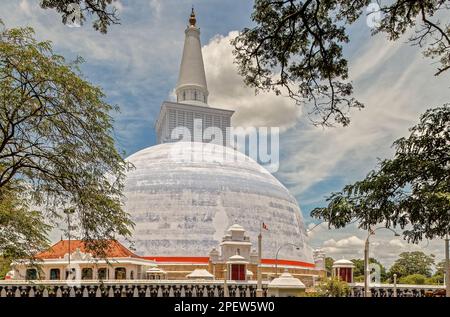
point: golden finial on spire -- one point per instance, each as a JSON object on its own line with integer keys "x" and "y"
{"x": 192, "y": 19}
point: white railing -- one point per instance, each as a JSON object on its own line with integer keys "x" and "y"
{"x": 127, "y": 288}
{"x": 402, "y": 290}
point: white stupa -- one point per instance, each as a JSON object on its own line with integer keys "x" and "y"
{"x": 182, "y": 208}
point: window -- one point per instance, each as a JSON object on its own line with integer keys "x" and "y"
{"x": 103, "y": 274}
{"x": 55, "y": 274}
{"x": 86, "y": 274}
{"x": 31, "y": 274}
{"x": 131, "y": 275}
{"x": 120, "y": 273}
{"x": 195, "y": 95}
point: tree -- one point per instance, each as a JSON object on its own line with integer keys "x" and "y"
{"x": 410, "y": 190}
{"x": 329, "y": 265}
{"x": 358, "y": 271}
{"x": 72, "y": 10}
{"x": 296, "y": 47}
{"x": 56, "y": 144}
{"x": 436, "y": 279}
{"x": 440, "y": 268}
{"x": 5, "y": 267}
{"x": 410, "y": 263}
{"x": 439, "y": 274}
{"x": 23, "y": 232}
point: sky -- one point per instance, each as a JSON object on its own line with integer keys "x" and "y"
{"x": 136, "y": 63}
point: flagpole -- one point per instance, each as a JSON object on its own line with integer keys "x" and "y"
{"x": 259, "y": 290}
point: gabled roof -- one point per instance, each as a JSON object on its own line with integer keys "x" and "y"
{"x": 286, "y": 280}
{"x": 201, "y": 274}
{"x": 114, "y": 250}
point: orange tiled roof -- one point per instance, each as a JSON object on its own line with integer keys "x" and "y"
{"x": 59, "y": 249}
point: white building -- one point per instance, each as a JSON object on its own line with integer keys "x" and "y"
{"x": 183, "y": 196}
{"x": 71, "y": 260}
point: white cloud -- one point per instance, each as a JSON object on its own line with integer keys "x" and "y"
{"x": 228, "y": 90}
{"x": 350, "y": 242}
{"x": 374, "y": 53}
{"x": 118, "y": 5}
{"x": 25, "y": 7}
{"x": 133, "y": 62}
{"x": 155, "y": 5}
{"x": 396, "y": 86}
{"x": 396, "y": 243}
{"x": 395, "y": 90}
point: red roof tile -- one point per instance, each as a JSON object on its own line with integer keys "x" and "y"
{"x": 59, "y": 249}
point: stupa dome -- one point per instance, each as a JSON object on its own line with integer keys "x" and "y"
{"x": 184, "y": 196}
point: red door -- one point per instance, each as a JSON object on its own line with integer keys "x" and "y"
{"x": 346, "y": 274}
{"x": 238, "y": 272}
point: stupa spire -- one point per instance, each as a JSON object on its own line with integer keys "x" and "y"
{"x": 192, "y": 18}
{"x": 191, "y": 87}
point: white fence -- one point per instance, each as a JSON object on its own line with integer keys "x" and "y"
{"x": 127, "y": 288}
{"x": 184, "y": 288}
{"x": 402, "y": 290}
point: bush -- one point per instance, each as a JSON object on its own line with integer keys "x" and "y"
{"x": 358, "y": 279}
{"x": 417, "y": 279}
{"x": 437, "y": 279}
{"x": 333, "y": 287}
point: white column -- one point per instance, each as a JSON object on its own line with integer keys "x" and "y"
{"x": 259, "y": 290}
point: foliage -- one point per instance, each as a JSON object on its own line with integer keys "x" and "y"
{"x": 329, "y": 265}
{"x": 5, "y": 267}
{"x": 104, "y": 11}
{"x": 440, "y": 268}
{"x": 358, "y": 279}
{"x": 412, "y": 263}
{"x": 410, "y": 190}
{"x": 55, "y": 139}
{"x": 436, "y": 279}
{"x": 416, "y": 279}
{"x": 296, "y": 47}
{"x": 333, "y": 287}
{"x": 23, "y": 232}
